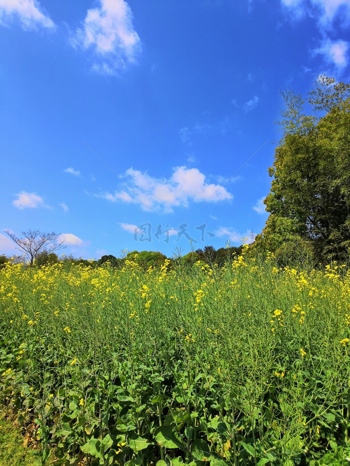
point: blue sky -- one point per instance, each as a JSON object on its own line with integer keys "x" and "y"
{"x": 150, "y": 125}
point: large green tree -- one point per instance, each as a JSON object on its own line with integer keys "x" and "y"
{"x": 310, "y": 191}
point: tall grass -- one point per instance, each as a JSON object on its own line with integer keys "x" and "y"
{"x": 245, "y": 364}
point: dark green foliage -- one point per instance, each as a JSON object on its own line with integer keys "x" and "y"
{"x": 112, "y": 260}
{"x": 310, "y": 191}
{"x": 147, "y": 258}
{"x": 45, "y": 258}
{"x": 3, "y": 260}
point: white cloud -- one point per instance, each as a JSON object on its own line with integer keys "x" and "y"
{"x": 130, "y": 228}
{"x": 6, "y": 245}
{"x": 296, "y": 7}
{"x": 227, "y": 179}
{"x": 72, "y": 171}
{"x": 233, "y": 236}
{"x": 27, "y": 11}
{"x": 64, "y": 207}
{"x": 251, "y": 104}
{"x": 28, "y": 200}
{"x": 335, "y": 53}
{"x": 71, "y": 240}
{"x": 184, "y": 186}
{"x": 260, "y": 207}
{"x": 109, "y": 33}
{"x": 325, "y": 11}
{"x": 330, "y": 9}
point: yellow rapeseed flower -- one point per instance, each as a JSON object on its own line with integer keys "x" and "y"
{"x": 67, "y": 330}
{"x": 344, "y": 341}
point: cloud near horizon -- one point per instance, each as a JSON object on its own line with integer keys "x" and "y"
{"x": 109, "y": 33}
{"x": 71, "y": 240}
{"x": 28, "y": 201}
{"x": 184, "y": 186}
{"x": 27, "y": 11}
{"x": 235, "y": 237}
{"x": 7, "y": 245}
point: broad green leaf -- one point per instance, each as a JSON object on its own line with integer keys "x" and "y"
{"x": 200, "y": 450}
{"x": 107, "y": 442}
{"x": 125, "y": 428}
{"x": 263, "y": 461}
{"x": 248, "y": 448}
{"x": 161, "y": 463}
{"x": 177, "y": 461}
{"x": 165, "y": 437}
{"x": 93, "y": 448}
{"x": 137, "y": 443}
{"x": 217, "y": 462}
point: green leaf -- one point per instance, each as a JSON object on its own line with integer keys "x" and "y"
{"x": 217, "y": 462}
{"x": 137, "y": 443}
{"x": 107, "y": 442}
{"x": 200, "y": 450}
{"x": 161, "y": 463}
{"x": 263, "y": 461}
{"x": 248, "y": 448}
{"x": 125, "y": 428}
{"x": 92, "y": 447}
{"x": 177, "y": 461}
{"x": 165, "y": 437}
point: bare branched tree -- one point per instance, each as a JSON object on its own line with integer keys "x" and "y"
{"x": 34, "y": 242}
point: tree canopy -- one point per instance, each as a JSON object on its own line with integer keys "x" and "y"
{"x": 310, "y": 191}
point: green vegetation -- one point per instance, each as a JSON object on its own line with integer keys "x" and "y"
{"x": 310, "y": 193}
{"x": 12, "y": 449}
{"x": 244, "y": 364}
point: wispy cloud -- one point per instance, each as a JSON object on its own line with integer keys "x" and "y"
{"x": 108, "y": 32}
{"x": 64, "y": 207}
{"x": 72, "y": 171}
{"x": 335, "y": 53}
{"x": 186, "y": 132}
{"x": 260, "y": 207}
{"x": 28, "y": 12}
{"x": 71, "y": 240}
{"x": 233, "y": 236}
{"x": 26, "y": 200}
{"x": 324, "y": 11}
{"x": 184, "y": 186}
{"x": 329, "y": 9}
{"x": 251, "y": 104}
{"x": 130, "y": 228}
{"x": 296, "y": 8}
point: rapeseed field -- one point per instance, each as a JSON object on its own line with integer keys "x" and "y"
{"x": 247, "y": 364}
